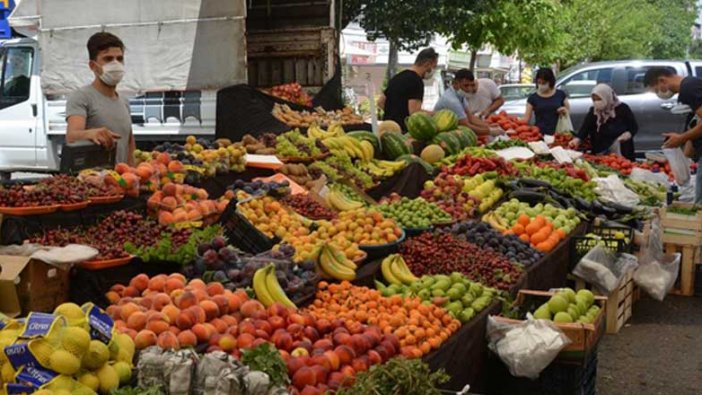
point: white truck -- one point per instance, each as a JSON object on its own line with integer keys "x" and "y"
{"x": 178, "y": 54}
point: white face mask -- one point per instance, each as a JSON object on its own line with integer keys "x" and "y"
{"x": 112, "y": 73}
{"x": 543, "y": 88}
{"x": 665, "y": 95}
{"x": 599, "y": 104}
{"x": 429, "y": 74}
{"x": 461, "y": 93}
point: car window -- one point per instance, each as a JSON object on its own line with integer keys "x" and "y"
{"x": 581, "y": 84}
{"x": 698, "y": 71}
{"x": 635, "y": 79}
{"x": 16, "y": 74}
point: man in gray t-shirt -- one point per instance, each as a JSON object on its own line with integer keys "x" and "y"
{"x": 96, "y": 112}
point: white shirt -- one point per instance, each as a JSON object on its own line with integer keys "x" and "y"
{"x": 486, "y": 94}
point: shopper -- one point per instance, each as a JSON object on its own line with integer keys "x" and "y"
{"x": 666, "y": 83}
{"x": 547, "y": 103}
{"x": 484, "y": 97}
{"x": 609, "y": 124}
{"x": 456, "y": 99}
{"x": 405, "y": 91}
{"x": 96, "y": 112}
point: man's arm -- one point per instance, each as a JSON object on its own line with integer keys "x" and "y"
{"x": 414, "y": 105}
{"x": 497, "y": 103}
{"x": 677, "y": 139}
{"x": 76, "y": 131}
{"x": 381, "y": 101}
{"x": 479, "y": 126}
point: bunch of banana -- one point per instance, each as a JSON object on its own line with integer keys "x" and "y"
{"x": 268, "y": 289}
{"x": 351, "y": 147}
{"x": 335, "y": 264}
{"x": 340, "y": 201}
{"x": 382, "y": 168}
{"x": 496, "y": 222}
{"x": 316, "y": 132}
{"x": 395, "y": 270}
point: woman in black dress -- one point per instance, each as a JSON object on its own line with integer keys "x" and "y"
{"x": 609, "y": 124}
{"x": 547, "y": 103}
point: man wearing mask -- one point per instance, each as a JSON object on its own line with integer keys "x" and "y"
{"x": 456, "y": 99}
{"x": 405, "y": 91}
{"x": 665, "y": 83}
{"x": 96, "y": 112}
{"x": 484, "y": 97}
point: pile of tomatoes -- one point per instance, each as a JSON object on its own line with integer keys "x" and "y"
{"x": 523, "y": 131}
{"x": 613, "y": 161}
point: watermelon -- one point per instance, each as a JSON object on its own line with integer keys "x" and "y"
{"x": 468, "y": 132}
{"x": 411, "y": 158}
{"x": 445, "y": 120}
{"x": 421, "y": 126}
{"x": 364, "y": 135}
{"x": 448, "y": 142}
{"x": 395, "y": 145}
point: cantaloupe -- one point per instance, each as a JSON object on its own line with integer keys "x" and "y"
{"x": 432, "y": 153}
{"x": 389, "y": 126}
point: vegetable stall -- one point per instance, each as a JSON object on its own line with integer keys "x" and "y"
{"x": 269, "y": 257}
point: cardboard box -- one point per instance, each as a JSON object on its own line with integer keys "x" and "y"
{"x": 30, "y": 285}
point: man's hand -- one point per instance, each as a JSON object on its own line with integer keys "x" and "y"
{"x": 624, "y": 137}
{"x": 673, "y": 140}
{"x": 562, "y": 110}
{"x": 104, "y": 137}
{"x": 496, "y": 131}
{"x": 574, "y": 143}
{"x": 484, "y": 114}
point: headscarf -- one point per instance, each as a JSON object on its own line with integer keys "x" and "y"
{"x": 606, "y": 94}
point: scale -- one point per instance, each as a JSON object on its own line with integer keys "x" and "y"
{"x": 85, "y": 154}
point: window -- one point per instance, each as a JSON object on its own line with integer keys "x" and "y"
{"x": 698, "y": 71}
{"x": 581, "y": 84}
{"x": 16, "y": 75}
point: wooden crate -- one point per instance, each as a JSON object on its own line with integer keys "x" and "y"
{"x": 619, "y": 303}
{"x": 584, "y": 337}
{"x": 681, "y": 229}
{"x": 691, "y": 256}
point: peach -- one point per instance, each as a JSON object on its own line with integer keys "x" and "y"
{"x": 119, "y": 324}
{"x": 384, "y": 352}
{"x": 247, "y": 326}
{"x": 211, "y": 309}
{"x": 163, "y": 158}
{"x": 144, "y": 171}
{"x": 168, "y": 341}
{"x": 157, "y": 283}
{"x": 114, "y": 311}
{"x": 144, "y": 338}
{"x": 249, "y": 307}
{"x": 342, "y": 338}
{"x": 129, "y": 332}
{"x": 174, "y": 283}
{"x": 360, "y": 364}
{"x": 222, "y": 303}
{"x": 229, "y": 320}
{"x": 199, "y": 313}
{"x": 227, "y": 343}
{"x": 360, "y": 344}
{"x": 245, "y": 340}
{"x": 193, "y": 215}
{"x": 112, "y": 297}
{"x": 258, "y": 341}
{"x": 277, "y": 309}
{"x": 219, "y": 325}
{"x": 321, "y": 360}
{"x": 296, "y": 318}
{"x": 323, "y": 326}
{"x": 125, "y": 300}
{"x": 131, "y": 291}
{"x": 260, "y": 315}
{"x": 157, "y": 326}
{"x": 282, "y": 340}
{"x": 161, "y": 300}
{"x": 345, "y": 353}
{"x": 186, "y": 300}
{"x": 187, "y": 338}
{"x": 215, "y": 288}
{"x": 306, "y": 344}
{"x": 185, "y": 320}
{"x": 169, "y": 203}
{"x": 202, "y": 332}
{"x": 261, "y": 334}
{"x": 295, "y": 330}
{"x": 157, "y": 316}
{"x": 200, "y": 295}
{"x": 137, "y": 321}
{"x": 374, "y": 357}
{"x": 174, "y": 330}
{"x": 214, "y": 339}
{"x": 304, "y": 376}
{"x": 241, "y": 294}
{"x": 210, "y": 328}
{"x": 180, "y": 276}
{"x": 175, "y": 166}
{"x": 233, "y": 330}
{"x": 128, "y": 309}
{"x": 276, "y": 322}
{"x": 310, "y": 390}
{"x": 264, "y": 326}
{"x": 169, "y": 190}
{"x": 140, "y": 282}
{"x": 294, "y": 364}
{"x": 165, "y": 218}
{"x": 334, "y": 360}
{"x": 300, "y": 352}
{"x": 121, "y": 168}
{"x": 310, "y": 333}
{"x": 336, "y": 380}
{"x": 146, "y": 301}
{"x": 154, "y": 202}
{"x": 324, "y": 344}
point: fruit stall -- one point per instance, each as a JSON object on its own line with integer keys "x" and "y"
{"x": 322, "y": 260}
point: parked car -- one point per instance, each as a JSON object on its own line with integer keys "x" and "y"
{"x": 516, "y": 91}
{"x": 653, "y": 115}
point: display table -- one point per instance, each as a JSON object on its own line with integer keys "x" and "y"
{"x": 552, "y": 269}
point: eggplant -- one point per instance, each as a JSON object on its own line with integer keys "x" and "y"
{"x": 528, "y": 182}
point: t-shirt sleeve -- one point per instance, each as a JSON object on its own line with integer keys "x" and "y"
{"x": 692, "y": 96}
{"x": 532, "y": 100}
{"x": 493, "y": 89}
{"x": 415, "y": 91}
{"x": 77, "y": 104}
{"x": 562, "y": 96}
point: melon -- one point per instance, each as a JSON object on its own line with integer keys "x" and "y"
{"x": 432, "y": 153}
{"x": 389, "y": 126}
{"x": 421, "y": 126}
{"x": 395, "y": 145}
{"x": 445, "y": 120}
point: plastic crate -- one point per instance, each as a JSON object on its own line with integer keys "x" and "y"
{"x": 581, "y": 245}
{"x": 242, "y": 234}
{"x": 609, "y": 232}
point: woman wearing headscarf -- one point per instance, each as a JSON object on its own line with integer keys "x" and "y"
{"x": 609, "y": 124}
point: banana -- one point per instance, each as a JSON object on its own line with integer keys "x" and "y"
{"x": 336, "y": 130}
{"x": 341, "y": 259}
{"x": 332, "y": 269}
{"x": 368, "y": 150}
{"x": 339, "y": 201}
{"x": 260, "y": 287}
{"x": 401, "y": 271}
{"x": 387, "y": 271}
{"x": 275, "y": 290}
{"x": 394, "y": 165}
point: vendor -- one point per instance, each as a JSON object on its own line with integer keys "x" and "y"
{"x": 405, "y": 91}
{"x": 96, "y": 112}
{"x": 455, "y": 98}
{"x": 608, "y": 123}
{"x": 547, "y": 103}
{"x": 484, "y": 97}
{"x": 665, "y": 84}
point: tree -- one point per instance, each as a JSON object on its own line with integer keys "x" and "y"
{"x": 676, "y": 17}
{"x": 508, "y": 26}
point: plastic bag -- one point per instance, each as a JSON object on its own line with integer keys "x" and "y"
{"x": 639, "y": 174}
{"x": 657, "y": 272}
{"x": 596, "y": 268}
{"x": 612, "y": 189}
{"x": 679, "y": 164}
{"x": 564, "y": 125}
{"x": 528, "y": 347}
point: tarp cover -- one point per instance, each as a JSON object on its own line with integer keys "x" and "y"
{"x": 170, "y": 45}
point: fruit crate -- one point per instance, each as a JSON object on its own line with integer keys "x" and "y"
{"x": 681, "y": 229}
{"x": 584, "y": 337}
{"x": 581, "y": 245}
{"x": 690, "y": 258}
{"x": 242, "y": 234}
{"x": 619, "y": 303}
{"x": 617, "y": 232}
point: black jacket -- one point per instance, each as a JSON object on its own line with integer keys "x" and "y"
{"x": 608, "y": 133}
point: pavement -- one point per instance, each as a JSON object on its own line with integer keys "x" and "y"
{"x": 658, "y": 352}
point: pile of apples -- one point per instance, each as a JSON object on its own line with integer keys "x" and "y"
{"x": 176, "y": 203}
{"x": 321, "y": 354}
